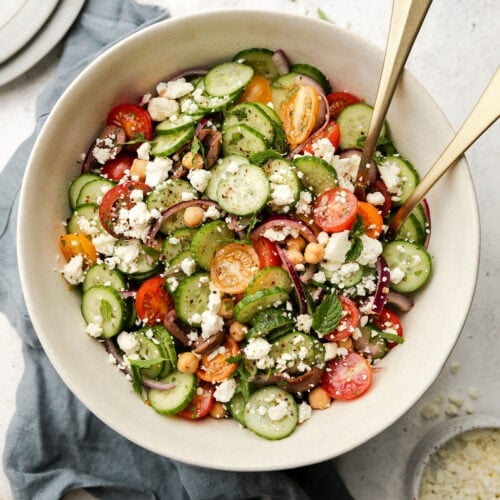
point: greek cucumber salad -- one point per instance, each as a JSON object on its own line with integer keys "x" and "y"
{"x": 223, "y": 258}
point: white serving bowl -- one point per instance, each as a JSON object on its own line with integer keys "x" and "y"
{"x": 133, "y": 67}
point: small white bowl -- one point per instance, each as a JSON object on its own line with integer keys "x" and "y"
{"x": 436, "y": 439}
{"x": 134, "y": 67}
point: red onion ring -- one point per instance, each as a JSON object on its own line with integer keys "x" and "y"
{"x": 201, "y": 125}
{"x": 183, "y": 73}
{"x": 156, "y": 384}
{"x": 382, "y": 289}
{"x": 281, "y": 61}
{"x": 172, "y": 210}
{"x": 307, "y": 80}
{"x": 281, "y": 221}
{"x": 297, "y": 284}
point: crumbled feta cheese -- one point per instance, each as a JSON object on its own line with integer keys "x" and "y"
{"x": 134, "y": 223}
{"x": 211, "y": 324}
{"x": 104, "y": 243}
{"x": 73, "y": 271}
{"x": 330, "y": 350}
{"x": 397, "y": 275}
{"x": 336, "y": 249}
{"x": 390, "y": 174}
{"x": 225, "y": 390}
{"x": 376, "y": 198}
{"x": 279, "y": 410}
{"x": 305, "y": 412}
{"x": 280, "y": 234}
{"x": 257, "y": 348}
{"x": 304, "y": 206}
{"x": 128, "y": 343}
{"x": 161, "y": 108}
{"x": 157, "y": 171}
{"x": 175, "y": 88}
{"x": 187, "y": 196}
{"x": 173, "y": 283}
{"x": 143, "y": 151}
{"x": 211, "y": 213}
{"x": 199, "y": 179}
{"x": 372, "y": 248}
{"x": 347, "y": 170}
{"x": 304, "y": 323}
{"x": 188, "y": 266}
{"x": 324, "y": 149}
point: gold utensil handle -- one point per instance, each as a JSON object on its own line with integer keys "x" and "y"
{"x": 484, "y": 114}
{"x": 406, "y": 19}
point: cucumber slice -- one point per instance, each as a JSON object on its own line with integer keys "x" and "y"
{"x": 354, "y": 121}
{"x": 93, "y": 191}
{"x": 181, "y": 122}
{"x": 419, "y": 213}
{"x": 284, "y": 184}
{"x": 174, "y": 273}
{"x": 227, "y": 78}
{"x": 314, "y": 73}
{"x": 251, "y": 115}
{"x": 242, "y": 140}
{"x": 406, "y": 173}
{"x": 249, "y": 306}
{"x": 297, "y": 353}
{"x": 411, "y": 230}
{"x": 167, "y": 194}
{"x": 317, "y": 174}
{"x": 176, "y": 399}
{"x": 220, "y": 170}
{"x": 177, "y": 243}
{"x": 148, "y": 349}
{"x": 279, "y": 89}
{"x": 167, "y": 144}
{"x": 85, "y": 219}
{"x": 131, "y": 314}
{"x": 370, "y": 343}
{"x": 77, "y": 184}
{"x": 413, "y": 260}
{"x": 261, "y": 60}
{"x": 244, "y": 192}
{"x": 271, "y": 114}
{"x": 102, "y": 274}
{"x": 237, "y": 407}
{"x": 270, "y": 277}
{"x": 103, "y": 306}
{"x": 143, "y": 265}
{"x": 344, "y": 278}
{"x": 264, "y": 416}
{"x": 164, "y": 348}
{"x": 209, "y": 104}
{"x": 269, "y": 320}
{"x": 280, "y": 144}
{"x": 207, "y": 240}
{"x": 191, "y": 298}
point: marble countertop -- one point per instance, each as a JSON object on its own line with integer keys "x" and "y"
{"x": 454, "y": 57}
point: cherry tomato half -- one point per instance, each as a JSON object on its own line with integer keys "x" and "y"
{"x": 388, "y": 322}
{"x": 78, "y": 244}
{"x": 338, "y": 101}
{"x": 335, "y": 210}
{"x": 233, "y": 267}
{"x": 133, "y": 119}
{"x": 257, "y": 90}
{"x": 330, "y": 132}
{"x": 372, "y": 220}
{"x": 267, "y": 252}
{"x": 152, "y": 301}
{"x": 299, "y": 112}
{"x": 348, "y": 323}
{"x": 347, "y": 377}
{"x": 116, "y": 198}
{"x": 217, "y": 368}
{"x": 116, "y": 168}
{"x": 201, "y": 404}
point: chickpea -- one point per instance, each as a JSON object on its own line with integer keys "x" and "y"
{"x": 187, "y": 362}
{"x": 346, "y": 344}
{"x": 218, "y": 410}
{"x": 298, "y": 243}
{"x": 191, "y": 161}
{"x": 193, "y": 216}
{"x": 237, "y": 330}
{"x": 319, "y": 398}
{"x": 294, "y": 256}
{"x": 138, "y": 169}
{"x": 314, "y": 253}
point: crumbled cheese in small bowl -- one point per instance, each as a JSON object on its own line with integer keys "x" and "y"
{"x": 458, "y": 459}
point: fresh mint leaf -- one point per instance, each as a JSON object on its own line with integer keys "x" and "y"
{"x": 136, "y": 366}
{"x": 355, "y": 250}
{"x": 358, "y": 228}
{"x": 327, "y": 315}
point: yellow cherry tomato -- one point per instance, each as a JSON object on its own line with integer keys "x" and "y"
{"x": 78, "y": 244}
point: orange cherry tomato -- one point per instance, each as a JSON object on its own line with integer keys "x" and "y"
{"x": 217, "y": 368}
{"x": 372, "y": 219}
{"x": 335, "y": 210}
{"x": 267, "y": 252}
{"x": 201, "y": 404}
{"x": 331, "y": 132}
{"x": 257, "y": 90}
{"x": 133, "y": 119}
{"x": 347, "y": 377}
{"x": 348, "y": 323}
{"x": 152, "y": 301}
{"x": 299, "y": 112}
{"x": 75, "y": 244}
{"x": 233, "y": 267}
{"x": 338, "y": 101}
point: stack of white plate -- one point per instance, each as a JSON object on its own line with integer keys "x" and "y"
{"x": 29, "y": 29}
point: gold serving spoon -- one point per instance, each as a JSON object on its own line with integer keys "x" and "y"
{"x": 484, "y": 114}
{"x": 406, "y": 18}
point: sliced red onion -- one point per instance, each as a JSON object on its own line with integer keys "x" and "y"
{"x": 310, "y": 82}
{"x": 188, "y": 72}
{"x": 297, "y": 284}
{"x": 384, "y": 277}
{"x": 127, "y": 294}
{"x": 402, "y": 302}
{"x": 427, "y": 229}
{"x": 281, "y": 221}
{"x": 156, "y": 384}
{"x": 323, "y": 115}
{"x": 281, "y": 61}
{"x": 113, "y": 132}
{"x": 172, "y": 210}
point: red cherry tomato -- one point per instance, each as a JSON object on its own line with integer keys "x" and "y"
{"x": 388, "y": 322}
{"x": 133, "y": 119}
{"x": 152, "y": 301}
{"x": 347, "y": 377}
{"x": 116, "y": 198}
{"x": 338, "y": 101}
{"x": 267, "y": 252}
{"x": 201, "y": 404}
{"x": 348, "y": 323}
{"x": 330, "y": 132}
{"x": 335, "y": 210}
{"x": 115, "y": 169}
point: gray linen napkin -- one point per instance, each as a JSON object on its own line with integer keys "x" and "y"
{"x": 54, "y": 444}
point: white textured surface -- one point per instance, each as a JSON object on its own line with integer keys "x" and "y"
{"x": 454, "y": 56}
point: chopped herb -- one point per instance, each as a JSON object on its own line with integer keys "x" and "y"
{"x": 327, "y": 315}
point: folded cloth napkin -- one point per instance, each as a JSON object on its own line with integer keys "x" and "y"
{"x": 54, "y": 444}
